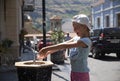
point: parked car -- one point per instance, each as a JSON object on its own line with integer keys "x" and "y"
{"x": 105, "y": 41}
{"x": 40, "y": 43}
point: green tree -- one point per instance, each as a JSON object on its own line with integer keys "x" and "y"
{"x": 57, "y": 37}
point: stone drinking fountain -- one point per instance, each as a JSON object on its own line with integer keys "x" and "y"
{"x": 34, "y": 70}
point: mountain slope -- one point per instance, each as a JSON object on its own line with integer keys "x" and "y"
{"x": 63, "y": 8}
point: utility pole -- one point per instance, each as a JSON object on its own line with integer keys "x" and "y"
{"x": 44, "y": 23}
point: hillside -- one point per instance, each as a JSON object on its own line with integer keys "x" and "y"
{"x": 63, "y": 8}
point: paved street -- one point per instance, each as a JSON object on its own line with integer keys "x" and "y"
{"x": 106, "y": 69}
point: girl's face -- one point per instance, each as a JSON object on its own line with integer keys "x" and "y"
{"x": 79, "y": 29}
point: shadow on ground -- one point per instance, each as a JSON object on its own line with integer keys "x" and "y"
{"x": 107, "y": 58}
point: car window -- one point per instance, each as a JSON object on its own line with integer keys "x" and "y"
{"x": 112, "y": 32}
{"x": 97, "y": 32}
{"x": 91, "y": 34}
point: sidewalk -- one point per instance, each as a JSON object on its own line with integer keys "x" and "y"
{"x": 59, "y": 72}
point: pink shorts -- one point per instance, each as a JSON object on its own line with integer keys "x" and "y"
{"x": 77, "y": 76}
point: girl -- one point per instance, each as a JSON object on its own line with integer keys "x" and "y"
{"x": 80, "y": 48}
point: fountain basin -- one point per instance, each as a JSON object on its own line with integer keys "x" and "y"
{"x": 32, "y": 64}
{"x": 30, "y": 71}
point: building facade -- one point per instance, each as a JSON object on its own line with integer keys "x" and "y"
{"x": 106, "y": 13}
{"x": 55, "y": 23}
{"x": 10, "y": 26}
{"x": 11, "y": 23}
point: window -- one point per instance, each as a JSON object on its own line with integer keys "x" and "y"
{"x": 118, "y": 20}
{"x": 107, "y": 21}
{"x": 29, "y": 5}
{"x": 98, "y": 22}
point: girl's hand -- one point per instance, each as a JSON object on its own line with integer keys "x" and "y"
{"x": 41, "y": 57}
{"x": 42, "y": 54}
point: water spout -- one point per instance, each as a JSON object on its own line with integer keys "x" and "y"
{"x": 34, "y": 58}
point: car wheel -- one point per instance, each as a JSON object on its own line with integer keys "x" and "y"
{"x": 95, "y": 53}
{"x": 102, "y": 54}
{"x": 118, "y": 55}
